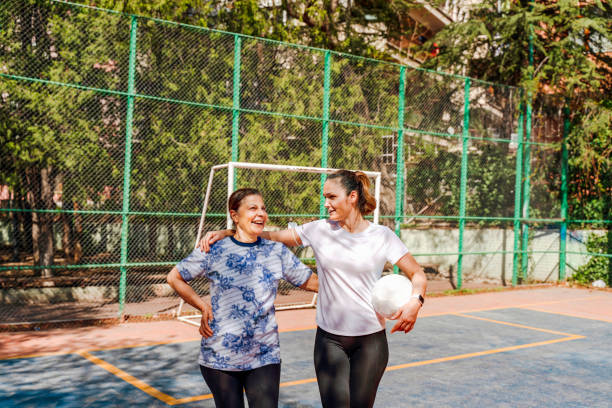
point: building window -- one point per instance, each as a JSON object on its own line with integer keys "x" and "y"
{"x": 389, "y": 149}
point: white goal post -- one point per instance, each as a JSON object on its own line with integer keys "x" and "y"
{"x": 231, "y": 169}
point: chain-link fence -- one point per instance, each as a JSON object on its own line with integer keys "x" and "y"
{"x": 110, "y": 124}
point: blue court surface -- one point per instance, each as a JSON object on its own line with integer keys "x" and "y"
{"x": 495, "y": 358}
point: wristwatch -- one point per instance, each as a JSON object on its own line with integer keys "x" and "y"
{"x": 420, "y": 298}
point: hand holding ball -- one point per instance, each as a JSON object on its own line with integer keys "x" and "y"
{"x": 390, "y": 293}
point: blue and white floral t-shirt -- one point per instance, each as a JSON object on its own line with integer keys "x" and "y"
{"x": 243, "y": 282}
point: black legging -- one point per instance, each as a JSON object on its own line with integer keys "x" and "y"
{"x": 349, "y": 368}
{"x": 260, "y": 385}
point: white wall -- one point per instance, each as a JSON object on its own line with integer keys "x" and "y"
{"x": 542, "y": 266}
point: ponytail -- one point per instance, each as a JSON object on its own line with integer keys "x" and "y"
{"x": 359, "y": 182}
{"x": 367, "y": 202}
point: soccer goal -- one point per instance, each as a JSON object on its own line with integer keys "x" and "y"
{"x": 292, "y": 195}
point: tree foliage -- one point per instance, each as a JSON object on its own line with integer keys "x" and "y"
{"x": 560, "y": 51}
{"x": 597, "y": 267}
{"x": 74, "y": 136}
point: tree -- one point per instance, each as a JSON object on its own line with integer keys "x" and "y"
{"x": 55, "y": 135}
{"x": 560, "y": 52}
{"x": 570, "y": 59}
{"x": 76, "y": 137}
{"x": 352, "y": 26}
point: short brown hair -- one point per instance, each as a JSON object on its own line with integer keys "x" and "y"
{"x": 237, "y": 196}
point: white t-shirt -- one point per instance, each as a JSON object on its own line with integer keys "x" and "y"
{"x": 348, "y": 265}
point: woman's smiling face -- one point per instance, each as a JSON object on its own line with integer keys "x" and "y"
{"x": 251, "y": 216}
{"x": 339, "y": 204}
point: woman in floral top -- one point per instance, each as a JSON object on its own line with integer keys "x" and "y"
{"x": 240, "y": 342}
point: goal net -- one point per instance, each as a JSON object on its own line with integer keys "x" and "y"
{"x": 293, "y": 196}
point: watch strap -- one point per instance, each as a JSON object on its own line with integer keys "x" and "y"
{"x": 419, "y": 297}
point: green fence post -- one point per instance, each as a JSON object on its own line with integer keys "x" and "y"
{"x": 564, "y": 165}
{"x": 464, "y": 171}
{"x": 527, "y": 167}
{"x": 518, "y": 182}
{"x": 526, "y": 190}
{"x": 127, "y": 165}
{"x": 236, "y": 100}
{"x": 399, "y": 169}
{"x": 325, "y": 133}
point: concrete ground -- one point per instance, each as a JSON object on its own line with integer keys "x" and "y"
{"x": 539, "y": 347}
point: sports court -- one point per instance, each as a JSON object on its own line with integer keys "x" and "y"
{"x": 540, "y": 347}
{"x": 115, "y": 121}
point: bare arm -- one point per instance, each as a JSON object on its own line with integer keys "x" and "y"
{"x": 288, "y": 237}
{"x": 312, "y": 284}
{"x": 186, "y": 292}
{"x": 407, "y": 314}
{"x": 409, "y": 266}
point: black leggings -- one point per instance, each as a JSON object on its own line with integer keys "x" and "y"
{"x": 349, "y": 368}
{"x": 260, "y": 384}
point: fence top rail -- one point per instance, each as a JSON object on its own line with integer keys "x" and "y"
{"x": 343, "y": 54}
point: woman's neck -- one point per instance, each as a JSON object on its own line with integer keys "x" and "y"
{"x": 354, "y": 223}
{"x": 242, "y": 236}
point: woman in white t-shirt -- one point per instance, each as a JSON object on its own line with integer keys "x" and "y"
{"x": 351, "y": 350}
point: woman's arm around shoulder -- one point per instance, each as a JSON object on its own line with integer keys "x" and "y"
{"x": 288, "y": 237}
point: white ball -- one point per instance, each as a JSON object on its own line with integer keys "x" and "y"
{"x": 390, "y": 293}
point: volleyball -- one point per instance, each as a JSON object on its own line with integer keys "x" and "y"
{"x": 390, "y": 293}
